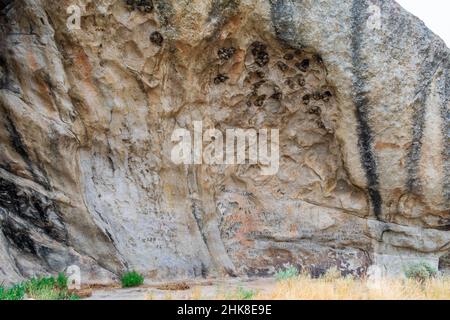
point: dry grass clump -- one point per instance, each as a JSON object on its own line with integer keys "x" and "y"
{"x": 333, "y": 287}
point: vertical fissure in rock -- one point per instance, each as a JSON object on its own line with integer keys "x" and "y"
{"x": 413, "y": 182}
{"x": 361, "y": 101}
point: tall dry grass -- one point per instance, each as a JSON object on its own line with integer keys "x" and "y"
{"x": 333, "y": 288}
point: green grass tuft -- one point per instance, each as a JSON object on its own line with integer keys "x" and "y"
{"x": 131, "y": 279}
{"x": 16, "y": 292}
{"x": 45, "y": 288}
{"x": 244, "y": 294}
{"x": 286, "y": 274}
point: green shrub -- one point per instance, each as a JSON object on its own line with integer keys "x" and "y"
{"x": 288, "y": 273}
{"x": 16, "y": 292}
{"x": 131, "y": 279}
{"x": 45, "y": 288}
{"x": 420, "y": 271}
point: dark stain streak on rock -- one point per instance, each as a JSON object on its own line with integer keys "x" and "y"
{"x": 19, "y": 146}
{"x": 18, "y": 236}
{"x": 6, "y": 78}
{"x": 3, "y": 73}
{"x": 33, "y": 208}
{"x": 413, "y": 182}
{"x": 5, "y": 3}
{"x": 359, "y": 15}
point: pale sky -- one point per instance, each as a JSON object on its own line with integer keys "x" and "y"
{"x": 435, "y": 14}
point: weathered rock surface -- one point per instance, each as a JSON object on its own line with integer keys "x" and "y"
{"x": 86, "y": 178}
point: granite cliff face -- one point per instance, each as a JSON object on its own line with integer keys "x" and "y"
{"x": 359, "y": 91}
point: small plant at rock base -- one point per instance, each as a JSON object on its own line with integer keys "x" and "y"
{"x": 332, "y": 274}
{"x": 131, "y": 279}
{"x": 16, "y": 292}
{"x": 244, "y": 294}
{"x": 44, "y": 288}
{"x": 62, "y": 281}
{"x": 420, "y": 272}
{"x": 288, "y": 273}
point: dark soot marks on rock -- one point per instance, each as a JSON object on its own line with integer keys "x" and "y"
{"x": 290, "y": 83}
{"x": 259, "y": 102}
{"x": 226, "y": 53}
{"x": 320, "y": 124}
{"x": 315, "y": 110}
{"x": 288, "y": 56}
{"x": 260, "y": 74}
{"x": 21, "y": 149}
{"x": 282, "y": 66}
{"x": 319, "y": 59}
{"x": 25, "y": 210}
{"x": 317, "y": 96}
{"x": 259, "y": 52}
{"x": 141, "y": 5}
{"x": 258, "y": 84}
{"x": 157, "y": 38}
{"x": 326, "y": 96}
{"x": 303, "y": 65}
{"x": 361, "y": 101}
{"x": 306, "y": 98}
{"x": 33, "y": 208}
{"x": 19, "y": 237}
{"x": 220, "y": 78}
{"x": 277, "y": 96}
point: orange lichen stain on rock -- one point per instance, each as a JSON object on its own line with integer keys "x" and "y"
{"x": 238, "y": 67}
{"x": 386, "y": 145}
{"x": 183, "y": 48}
{"x": 83, "y": 72}
{"x": 31, "y": 59}
{"x": 293, "y": 229}
{"x": 84, "y": 67}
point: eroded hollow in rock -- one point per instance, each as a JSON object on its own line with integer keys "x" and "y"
{"x": 265, "y": 88}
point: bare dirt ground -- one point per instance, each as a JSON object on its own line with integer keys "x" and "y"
{"x": 187, "y": 290}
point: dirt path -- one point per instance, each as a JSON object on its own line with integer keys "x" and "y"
{"x": 187, "y": 290}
